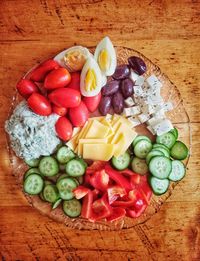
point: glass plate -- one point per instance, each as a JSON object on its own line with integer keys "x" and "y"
{"x": 178, "y": 116}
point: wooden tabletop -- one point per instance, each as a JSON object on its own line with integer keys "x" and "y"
{"x": 167, "y": 32}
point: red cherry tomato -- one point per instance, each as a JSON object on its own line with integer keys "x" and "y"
{"x": 75, "y": 81}
{"x": 63, "y": 128}
{"x": 62, "y": 111}
{"x": 26, "y": 88}
{"x": 57, "y": 78}
{"x": 39, "y": 104}
{"x": 92, "y": 103}
{"x": 65, "y": 97}
{"x": 79, "y": 115}
{"x": 39, "y": 73}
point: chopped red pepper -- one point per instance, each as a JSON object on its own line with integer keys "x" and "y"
{"x": 86, "y": 211}
{"x": 133, "y": 213}
{"x": 114, "y": 192}
{"x": 96, "y": 193}
{"x": 99, "y": 180}
{"x": 80, "y": 192}
{"x": 101, "y": 208}
{"x": 128, "y": 172}
{"x": 96, "y": 165}
{"x": 117, "y": 213}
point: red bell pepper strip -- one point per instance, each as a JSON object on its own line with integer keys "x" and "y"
{"x": 135, "y": 213}
{"x": 96, "y": 165}
{"x": 99, "y": 180}
{"x": 86, "y": 211}
{"x": 128, "y": 201}
{"x": 80, "y": 192}
{"x": 114, "y": 192}
{"x": 128, "y": 172}
{"x": 118, "y": 177}
{"x": 101, "y": 208}
{"x": 117, "y": 214}
{"x": 96, "y": 193}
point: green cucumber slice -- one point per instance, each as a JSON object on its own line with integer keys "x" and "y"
{"x": 159, "y": 145}
{"x": 33, "y": 184}
{"x": 31, "y": 171}
{"x": 159, "y": 186}
{"x": 48, "y": 166}
{"x": 65, "y": 187}
{"x": 139, "y": 166}
{"x": 168, "y": 139}
{"x": 179, "y": 151}
{"x": 64, "y": 154}
{"x": 32, "y": 162}
{"x": 152, "y": 154}
{"x": 160, "y": 167}
{"x": 62, "y": 177}
{"x": 140, "y": 137}
{"x": 142, "y": 148}
{"x": 75, "y": 168}
{"x": 56, "y": 203}
{"x": 178, "y": 171}
{"x": 50, "y": 193}
{"x": 164, "y": 151}
{"x": 72, "y": 208}
{"x": 121, "y": 162}
{"x": 175, "y": 133}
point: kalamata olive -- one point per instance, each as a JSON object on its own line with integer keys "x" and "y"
{"x": 110, "y": 88}
{"x": 126, "y": 87}
{"x": 137, "y": 64}
{"x": 105, "y": 105}
{"x": 122, "y": 71}
{"x": 118, "y": 103}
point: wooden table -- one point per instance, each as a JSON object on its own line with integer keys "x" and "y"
{"x": 168, "y": 32}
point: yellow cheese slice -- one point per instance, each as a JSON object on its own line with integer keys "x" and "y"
{"x": 84, "y": 131}
{"x": 102, "y": 152}
{"x": 72, "y": 143}
{"x": 97, "y": 130}
{"x": 89, "y": 141}
{"x": 120, "y": 145}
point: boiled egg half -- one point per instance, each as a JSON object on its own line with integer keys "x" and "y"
{"x": 91, "y": 78}
{"x": 105, "y": 56}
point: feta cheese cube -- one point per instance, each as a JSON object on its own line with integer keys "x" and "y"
{"x": 134, "y": 121}
{"x": 138, "y": 90}
{"x": 153, "y": 82}
{"x": 163, "y": 127}
{"x": 127, "y": 112}
{"x": 135, "y": 110}
{"x": 154, "y": 120}
{"x": 140, "y": 81}
{"x": 151, "y": 130}
{"x": 133, "y": 76}
{"x": 129, "y": 102}
{"x": 159, "y": 114}
{"x": 143, "y": 117}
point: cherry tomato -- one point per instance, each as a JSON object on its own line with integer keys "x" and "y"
{"x": 39, "y": 73}
{"x": 92, "y": 103}
{"x": 75, "y": 81}
{"x": 57, "y": 78}
{"x": 79, "y": 115}
{"x": 65, "y": 97}
{"x": 26, "y": 88}
{"x": 62, "y": 111}
{"x": 63, "y": 128}
{"x": 39, "y": 104}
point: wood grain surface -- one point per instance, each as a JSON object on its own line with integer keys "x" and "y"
{"x": 167, "y": 32}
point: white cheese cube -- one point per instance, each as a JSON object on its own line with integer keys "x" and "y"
{"x": 129, "y": 102}
{"x": 134, "y": 121}
{"x": 154, "y": 99}
{"x": 135, "y": 110}
{"x": 151, "y": 130}
{"x": 133, "y": 76}
{"x": 138, "y": 91}
{"x": 127, "y": 112}
{"x": 143, "y": 117}
{"x": 159, "y": 114}
{"x": 153, "y": 82}
{"x": 109, "y": 116}
{"x": 154, "y": 120}
{"x": 140, "y": 81}
{"x": 163, "y": 127}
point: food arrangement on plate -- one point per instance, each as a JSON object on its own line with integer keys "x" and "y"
{"x": 95, "y": 135}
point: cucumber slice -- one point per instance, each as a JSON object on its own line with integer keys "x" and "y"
{"x": 159, "y": 145}
{"x": 159, "y": 186}
{"x": 142, "y": 148}
{"x": 48, "y": 166}
{"x": 139, "y": 166}
{"x": 62, "y": 177}
{"x": 72, "y": 208}
{"x": 140, "y": 137}
{"x": 64, "y": 154}
{"x": 168, "y": 139}
{"x": 178, "y": 171}
{"x": 175, "y": 133}
{"x": 56, "y": 203}
{"x": 42, "y": 196}
{"x": 33, "y": 184}
{"x": 32, "y": 162}
{"x": 179, "y": 151}
{"x": 164, "y": 151}
{"x": 160, "y": 167}
{"x": 65, "y": 187}
{"x": 121, "y": 162}
{"x": 152, "y": 154}
{"x": 50, "y": 193}
{"x": 31, "y": 171}
{"x": 75, "y": 168}
{"x": 82, "y": 162}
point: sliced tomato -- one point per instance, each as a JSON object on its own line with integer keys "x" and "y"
{"x": 79, "y": 115}
{"x": 62, "y": 111}
{"x": 117, "y": 214}
{"x": 57, "y": 78}
{"x": 99, "y": 180}
{"x": 86, "y": 211}
{"x": 39, "y": 104}
{"x": 26, "y": 88}
{"x": 75, "y": 81}
{"x": 80, "y": 192}
{"x": 39, "y": 73}
{"x": 114, "y": 192}
{"x": 96, "y": 165}
{"x": 63, "y": 128}
{"x": 92, "y": 103}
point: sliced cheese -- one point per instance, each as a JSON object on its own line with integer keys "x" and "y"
{"x": 88, "y": 141}
{"x": 119, "y": 145}
{"x": 72, "y": 143}
{"x": 97, "y": 130}
{"x": 102, "y": 152}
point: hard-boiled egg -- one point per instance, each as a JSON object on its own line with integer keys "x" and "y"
{"x": 91, "y": 78}
{"x": 73, "y": 58}
{"x": 106, "y": 57}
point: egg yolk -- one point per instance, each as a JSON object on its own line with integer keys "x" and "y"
{"x": 104, "y": 60}
{"x": 90, "y": 80}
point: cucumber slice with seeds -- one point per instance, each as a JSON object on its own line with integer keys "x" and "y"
{"x": 168, "y": 139}
{"x": 164, "y": 151}
{"x": 63, "y": 176}
{"x": 174, "y": 132}
{"x": 159, "y": 145}
{"x": 64, "y": 154}
{"x": 152, "y": 154}
{"x": 50, "y": 193}
{"x": 178, "y": 171}
{"x": 31, "y": 171}
{"x": 75, "y": 168}
{"x": 159, "y": 186}
{"x": 160, "y": 167}
{"x": 72, "y": 208}
{"x": 32, "y": 162}
{"x": 142, "y": 148}
{"x": 65, "y": 187}
{"x": 33, "y": 184}
{"x": 56, "y": 203}
{"x": 139, "y": 166}
{"x": 48, "y": 166}
{"x": 140, "y": 137}
{"x": 121, "y": 162}
{"x": 179, "y": 151}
